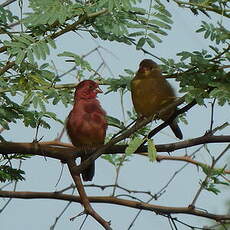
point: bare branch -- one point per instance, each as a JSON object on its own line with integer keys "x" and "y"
{"x": 62, "y": 212}
{"x": 64, "y": 151}
{"x": 84, "y": 199}
{"x": 208, "y": 175}
{"x": 6, "y": 67}
{"x": 118, "y": 201}
{"x": 222, "y": 12}
{"x": 6, "y": 3}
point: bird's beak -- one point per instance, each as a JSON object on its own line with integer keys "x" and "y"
{"x": 98, "y": 90}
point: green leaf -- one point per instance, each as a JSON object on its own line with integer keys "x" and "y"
{"x": 35, "y": 101}
{"x": 164, "y": 18}
{"x": 154, "y": 37}
{"x": 36, "y": 51}
{"x": 136, "y": 34}
{"x": 4, "y": 124}
{"x": 41, "y": 104}
{"x": 140, "y": 43}
{"x": 51, "y": 42}
{"x": 161, "y": 24}
{"x": 23, "y": 40}
{"x": 15, "y": 44}
{"x": 109, "y": 158}
{"x": 202, "y": 29}
{"x": 28, "y": 37}
{"x": 150, "y": 42}
{"x": 112, "y": 121}
{"x": 30, "y": 56}
{"x": 53, "y": 116}
{"x": 110, "y": 5}
{"x": 41, "y": 50}
{"x": 213, "y": 190}
{"x": 56, "y": 100}
{"x": 20, "y": 56}
{"x": 8, "y": 173}
{"x": 43, "y": 66}
{"x": 134, "y": 144}
{"x": 152, "y": 152}
{"x": 45, "y": 48}
{"x": 67, "y": 54}
{"x": 27, "y": 98}
{"x": 207, "y": 34}
{"x": 184, "y": 55}
{"x": 53, "y": 17}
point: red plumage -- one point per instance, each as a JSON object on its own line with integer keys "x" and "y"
{"x": 86, "y": 124}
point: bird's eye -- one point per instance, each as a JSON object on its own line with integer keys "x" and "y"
{"x": 90, "y": 86}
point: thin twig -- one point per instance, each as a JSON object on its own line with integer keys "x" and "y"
{"x": 84, "y": 199}
{"x": 183, "y": 223}
{"x": 62, "y": 212}
{"x": 137, "y": 215}
{"x": 118, "y": 201}
{"x": 212, "y": 115}
{"x": 8, "y": 2}
{"x": 205, "y": 181}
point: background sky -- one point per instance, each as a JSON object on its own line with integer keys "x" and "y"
{"x": 138, "y": 173}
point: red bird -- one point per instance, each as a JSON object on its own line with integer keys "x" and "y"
{"x": 86, "y": 124}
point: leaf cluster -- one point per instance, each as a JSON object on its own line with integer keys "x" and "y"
{"x": 7, "y": 173}
{"x": 12, "y": 112}
{"x": 81, "y": 64}
{"x": 6, "y": 17}
{"x": 120, "y": 83}
{"x": 132, "y": 25}
{"x": 25, "y": 46}
{"x": 213, "y": 181}
{"x": 201, "y": 75}
{"x": 218, "y": 34}
{"x": 45, "y": 17}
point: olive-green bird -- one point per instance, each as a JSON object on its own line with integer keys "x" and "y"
{"x": 151, "y": 92}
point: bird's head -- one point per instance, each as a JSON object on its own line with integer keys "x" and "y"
{"x": 87, "y": 89}
{"x": 148, "y": 66}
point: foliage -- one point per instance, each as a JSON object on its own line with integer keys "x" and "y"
{"x": 122, "y": 82}
{"x": 204, "y": 78}
{"x": 6, "y": 17}
{"x": 152, "y": 152}
{"x": 213, "y": 178}
{"x": 8, "y": 173}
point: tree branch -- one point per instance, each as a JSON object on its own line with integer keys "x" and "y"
{"x": 167, "y": 122}
{"x": 83, "y": 196}
{"x": 203, "y": 185}
{"x": 80, "y": 21}
{"x": 6, "y": 67}
{"x": 8, "y": 2}
{"x": 65, "y": 152}
{"x": 222, "y": 12}
{"x": 118, "y": 201}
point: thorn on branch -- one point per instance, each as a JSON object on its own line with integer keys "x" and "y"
{"x": 80, "y": 214}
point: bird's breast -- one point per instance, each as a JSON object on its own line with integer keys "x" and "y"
{"x": 86, "y": 125}
{"x": 149, "y": 95}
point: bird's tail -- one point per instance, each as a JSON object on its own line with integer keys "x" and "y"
{"x": 176, "y": 130}
{"x": 88, "y": 173}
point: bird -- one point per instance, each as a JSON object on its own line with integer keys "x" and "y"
{"x": 151, "y": 92}
{"x": 86, "y": 123}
